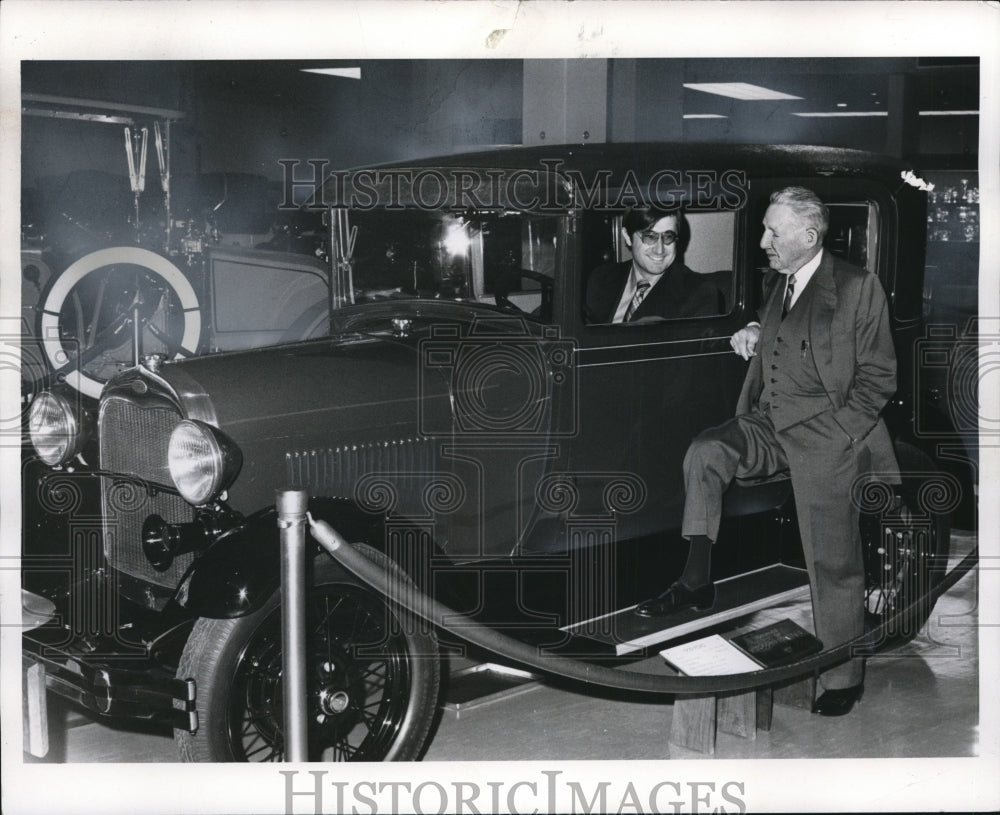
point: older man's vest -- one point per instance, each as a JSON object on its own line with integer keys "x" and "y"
{"x": 792, "y": 390}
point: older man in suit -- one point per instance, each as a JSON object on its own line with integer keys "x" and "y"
{"x": 822, "y": 368}
{"x": 655, "y": 282}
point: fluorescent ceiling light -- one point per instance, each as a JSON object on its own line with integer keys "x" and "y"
{"x": 949, "y": 113}
{"x": 843, "y": 113}
{"x": 350, "y": 73}
{"x": 836, "y": 114}
{"x": 739, "y": 90}
{"x": 704, "y": 116}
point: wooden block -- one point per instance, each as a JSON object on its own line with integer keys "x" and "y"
{"x": 737, "y": 714}
{"x": 35, "y": 715}
{"x": 800, "y": 693}
{"x": 693, "y": 723}
{"x": 765, "y": 707}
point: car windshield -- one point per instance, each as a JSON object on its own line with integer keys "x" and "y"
{"x": 505, "y": 259}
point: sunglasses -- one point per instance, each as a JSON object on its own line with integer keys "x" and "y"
{"x": 651, "y": 238}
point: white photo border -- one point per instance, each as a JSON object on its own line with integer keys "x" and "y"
{"x": 436, "y": 29}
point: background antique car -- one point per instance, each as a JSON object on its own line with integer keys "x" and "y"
{"x": 103, "y": 284}
{"x": 447, "y": 405}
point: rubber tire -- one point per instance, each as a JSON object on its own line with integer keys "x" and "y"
{"x": 928, "y": 526}
{"x": 215, "y": 647}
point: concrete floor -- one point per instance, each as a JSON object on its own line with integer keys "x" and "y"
{"x": 920, "y": 701}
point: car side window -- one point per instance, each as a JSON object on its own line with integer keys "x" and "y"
{"x": 853, "y": 232}
{"x": 500, "y": 258}
{"x": 699, "y": 282}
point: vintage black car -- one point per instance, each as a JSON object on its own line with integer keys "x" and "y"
{"x": 449, "y": 404}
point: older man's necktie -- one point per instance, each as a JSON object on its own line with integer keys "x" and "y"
{"x": 789, "y": 293}
{"x": 640, "y": 293}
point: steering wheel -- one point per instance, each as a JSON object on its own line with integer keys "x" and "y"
{"x": 546, "y": 286}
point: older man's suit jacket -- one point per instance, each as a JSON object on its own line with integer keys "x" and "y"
{"x": 852, "y": 346}
{"x": 679, "y": 293}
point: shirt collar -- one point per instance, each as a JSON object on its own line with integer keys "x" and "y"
{"x": 636, "y": 277}
{"x": 803, "y": 276}
{"x": 808, "y": 269}
{"x": 631, "y": 284}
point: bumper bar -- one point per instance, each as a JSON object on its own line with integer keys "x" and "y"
{"x": 111, "y": 691}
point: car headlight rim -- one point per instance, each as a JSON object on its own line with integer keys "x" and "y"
{"x": 201, "y": 461}
{"x": 54, "y": 428}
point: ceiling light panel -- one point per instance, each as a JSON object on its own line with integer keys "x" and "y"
{"x": 841, "y": 114}
{"x": 949, "y": 113}
{"x": 349, "y": 73}
{"x": 739, "y": 90}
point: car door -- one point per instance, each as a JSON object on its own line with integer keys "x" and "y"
{"x": 644, "y": 390}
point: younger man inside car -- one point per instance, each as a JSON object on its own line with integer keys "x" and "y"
{"x": 655, "y": 282}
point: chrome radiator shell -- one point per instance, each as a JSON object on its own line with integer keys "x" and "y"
{"x": 134, "y": 434}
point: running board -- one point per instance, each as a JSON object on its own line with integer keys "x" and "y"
{"x": 735, "y": 597}
{"x": 479, "y": 685}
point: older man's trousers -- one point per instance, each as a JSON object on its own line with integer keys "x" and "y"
{"x": 824, "y": 466}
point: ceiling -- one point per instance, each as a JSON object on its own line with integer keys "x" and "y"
{"x": 860, "y": 84}
{"x": 939, "y": 83}
{"x": 244, "y": 115}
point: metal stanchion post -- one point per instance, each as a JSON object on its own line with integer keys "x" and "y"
{"x": 292, "y": 505}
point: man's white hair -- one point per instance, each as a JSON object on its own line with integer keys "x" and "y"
{"x": 806, "y": 205}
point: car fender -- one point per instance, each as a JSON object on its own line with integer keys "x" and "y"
{"x": 236, "y": 574}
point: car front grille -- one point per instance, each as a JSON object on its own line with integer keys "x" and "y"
{"x": 133, "y": 442}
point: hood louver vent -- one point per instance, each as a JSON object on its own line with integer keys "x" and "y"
{"x": 379, "y": 476}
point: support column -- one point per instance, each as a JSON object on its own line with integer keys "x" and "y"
{"x": 622, "y": 100}
{"x": 565, "y": 101}
{"x": 902, "y": 129}
{"x": 659, "y": 100}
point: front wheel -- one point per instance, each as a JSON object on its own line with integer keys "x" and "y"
{"x": 373, "y": 675}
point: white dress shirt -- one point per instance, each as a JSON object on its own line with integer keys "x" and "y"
{"x": 803, "y": 276}
{"x": 634, "y": 277}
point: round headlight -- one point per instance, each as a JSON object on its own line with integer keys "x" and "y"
{"x": 56, "y": 431}
{"x": 202, "y": 461}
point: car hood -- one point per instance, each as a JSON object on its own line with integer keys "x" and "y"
{"x": 348, "y": 389}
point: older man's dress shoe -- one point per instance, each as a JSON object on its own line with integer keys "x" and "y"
{"x": 838, "y": 702}
{"x": 678, "y": 597}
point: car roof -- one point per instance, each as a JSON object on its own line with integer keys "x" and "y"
{"x": 698, "y": 166}
{"x": 646, "y": 158}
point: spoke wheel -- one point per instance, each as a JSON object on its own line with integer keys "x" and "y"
{"x": 372, "y": 679}
{"x": 906, "y": 542}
